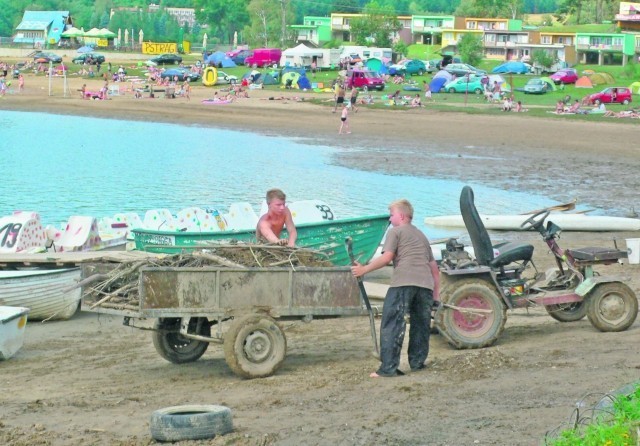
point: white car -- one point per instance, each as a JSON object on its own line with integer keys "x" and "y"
{"x": 224, "y": 78}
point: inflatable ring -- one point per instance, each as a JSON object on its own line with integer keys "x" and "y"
{"x": 411, "y": 88}
{"x": 209, "y": 76}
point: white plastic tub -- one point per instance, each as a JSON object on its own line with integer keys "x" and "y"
{"x": 633, "y": 250}
{"x": 13, "y": 322}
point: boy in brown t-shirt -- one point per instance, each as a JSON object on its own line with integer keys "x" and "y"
{"x": 414, "y": 284}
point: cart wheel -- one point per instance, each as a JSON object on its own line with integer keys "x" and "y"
{"x": 174, "y": 347}
{"x": 612, "y": 306}
{"x": 254, "y": 346}
{"x": 471, "y": 330}
{"x": 571, "y": 312}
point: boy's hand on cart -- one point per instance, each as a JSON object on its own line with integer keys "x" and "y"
{"x": 358, "y": 270}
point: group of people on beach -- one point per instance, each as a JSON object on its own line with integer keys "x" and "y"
{"x": 415, "y": 280}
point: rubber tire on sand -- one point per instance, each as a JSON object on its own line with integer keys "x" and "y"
{"x": 190, "y": 422}
{"x": 254, "y": 346}
{"x": 474, "y": 291}
{"x": 612, "y": 306}
{"x": 188, "y": 350}
{"x": 572, "y": 312}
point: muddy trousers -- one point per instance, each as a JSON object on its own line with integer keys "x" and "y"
{"x": 415, "y": 302}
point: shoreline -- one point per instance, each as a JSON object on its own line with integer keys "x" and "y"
{"x": 554, "y": 157}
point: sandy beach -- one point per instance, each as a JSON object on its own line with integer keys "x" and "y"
{"x": 91, "y": 381}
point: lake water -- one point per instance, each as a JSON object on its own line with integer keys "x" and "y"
{"x": 67, "y": 165}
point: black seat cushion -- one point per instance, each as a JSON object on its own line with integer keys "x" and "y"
{"x": 512, "y": 252}
{"x": 597, "y": 254}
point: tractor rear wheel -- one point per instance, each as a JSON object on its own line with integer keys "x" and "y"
{"x": 465, "y": 328}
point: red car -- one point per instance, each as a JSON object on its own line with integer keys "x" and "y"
{"x": 565, "y": 76}
{"x": 615, "y": 95}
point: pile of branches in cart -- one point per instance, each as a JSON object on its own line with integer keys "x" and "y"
{"x": 118, "y": 288}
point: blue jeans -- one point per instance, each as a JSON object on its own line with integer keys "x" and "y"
{"x": 416, "y": 302}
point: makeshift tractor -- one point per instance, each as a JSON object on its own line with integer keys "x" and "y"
{"x": 476, "y": 293}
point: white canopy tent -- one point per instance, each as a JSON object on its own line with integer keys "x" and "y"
{"x": 300, "y": 55}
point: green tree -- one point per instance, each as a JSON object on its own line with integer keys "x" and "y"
{"x": 376, "y": 26}
{"x": 264, "y": 29}
{"x": 224, "y": 17}
{"x": 471, "y": 49}
{"x": 542, "y": 59}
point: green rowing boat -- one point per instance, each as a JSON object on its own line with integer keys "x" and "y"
{"x": 327, "y": 236}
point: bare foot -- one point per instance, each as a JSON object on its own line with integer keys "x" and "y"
{"x": 374, "y": 375}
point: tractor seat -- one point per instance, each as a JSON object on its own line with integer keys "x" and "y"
{"x": 512, "y": 252}
{"x": 597, "y": 254}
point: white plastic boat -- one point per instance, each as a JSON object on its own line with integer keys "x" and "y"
{"x": 568, "y": 222}
{"x": 13, "y": 322}
{"x": 43, "y": 291}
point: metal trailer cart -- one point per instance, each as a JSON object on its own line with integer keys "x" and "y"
{"x": 194, "y": 306}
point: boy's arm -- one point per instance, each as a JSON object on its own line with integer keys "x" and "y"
{"x": 359, "y": 270}
{"x": 291, "y": 229}
{"x": 435, "y": 273}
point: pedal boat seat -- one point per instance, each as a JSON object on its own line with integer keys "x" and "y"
{"x": 484, "y": 250}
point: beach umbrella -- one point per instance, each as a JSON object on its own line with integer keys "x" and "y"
{"x": 204, "y": 41}
{"x": 119, "y": 35}
{"x": 107, "y": 34}
{"x": 93, "y": 32}
{"x": 72, "y": 32}
{"x": 141, "y": 37}
{"x": 235, "y": 39}
{"x": 126, "y": 36}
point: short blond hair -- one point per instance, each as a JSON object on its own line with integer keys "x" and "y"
{"x": 404, "y": 207}
{"x": 275, "y": 194}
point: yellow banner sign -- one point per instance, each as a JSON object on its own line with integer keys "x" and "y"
{"x": 159, "y": 48}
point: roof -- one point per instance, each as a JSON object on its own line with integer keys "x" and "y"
{"x": 53, "y": 22}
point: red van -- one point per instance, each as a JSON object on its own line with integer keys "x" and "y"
{"x": 263, "y": 57}
{"x": 365, "y": 79}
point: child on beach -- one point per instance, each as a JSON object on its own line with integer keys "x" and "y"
{"x": 343, "y": 117}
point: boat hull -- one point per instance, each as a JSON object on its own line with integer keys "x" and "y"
{"x": 568, "y": 222}
{"x": 43, "y": 291}
{"x": 13, "y": 322}
{"x": 327, "y": 237}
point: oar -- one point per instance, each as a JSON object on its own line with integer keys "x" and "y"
{"x": 349, "y": 242}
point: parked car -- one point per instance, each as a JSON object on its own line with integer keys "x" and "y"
{"x": 408, "y": 67}
{"x": 240, "y": 57}
{"x": 166, "y": 59}
{"x": 461, "y": 85}
{"x": 224, "y": 78}
{"x": 93, "y": 58}
{"x": 431, "y": 66}
{"x": 264, "y": 57}
{"x": 181, "y": 73}
{"x": 365, "y": 79}
{"x": 536, "y": 86}
{"x": 611, "y": 95}
{"x": 44, "y": 57}
{"x": 565, "y": 76}
{"x": 448, "y": 59}
{"x": 462, "y": 69}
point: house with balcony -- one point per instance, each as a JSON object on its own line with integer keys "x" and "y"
{"x": 495, "y": 24}
{"x": 341, "y": 25}
{"x": 505, "y": 45}
{"x": 451, "y": 37}
{"x": 628, "y": 17}
{"x": 560, "y": 45}
{"x": 314, "y": 31}
{"x": 427, "y": 29}
{"x": 605, "y": 48}
{"x": 42, "y": 28}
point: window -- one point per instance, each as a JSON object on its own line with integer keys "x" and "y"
{"x": 545, "y": 40}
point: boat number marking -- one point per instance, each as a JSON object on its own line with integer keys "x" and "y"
{"x": 327, "y": 214}
{"x": 11, "y": 231}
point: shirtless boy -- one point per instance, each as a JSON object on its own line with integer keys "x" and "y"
{"x": 271, "y": 224}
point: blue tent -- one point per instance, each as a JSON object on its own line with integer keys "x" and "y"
{"x": 511, "y": 67}
{"x": 436, "y": 84}
{"x": 300, "y": 70}
{"x": 303, "y": 83}
{"x": 219, "y": 58}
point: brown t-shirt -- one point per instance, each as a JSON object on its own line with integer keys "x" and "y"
{"x": 413, "y": 254}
